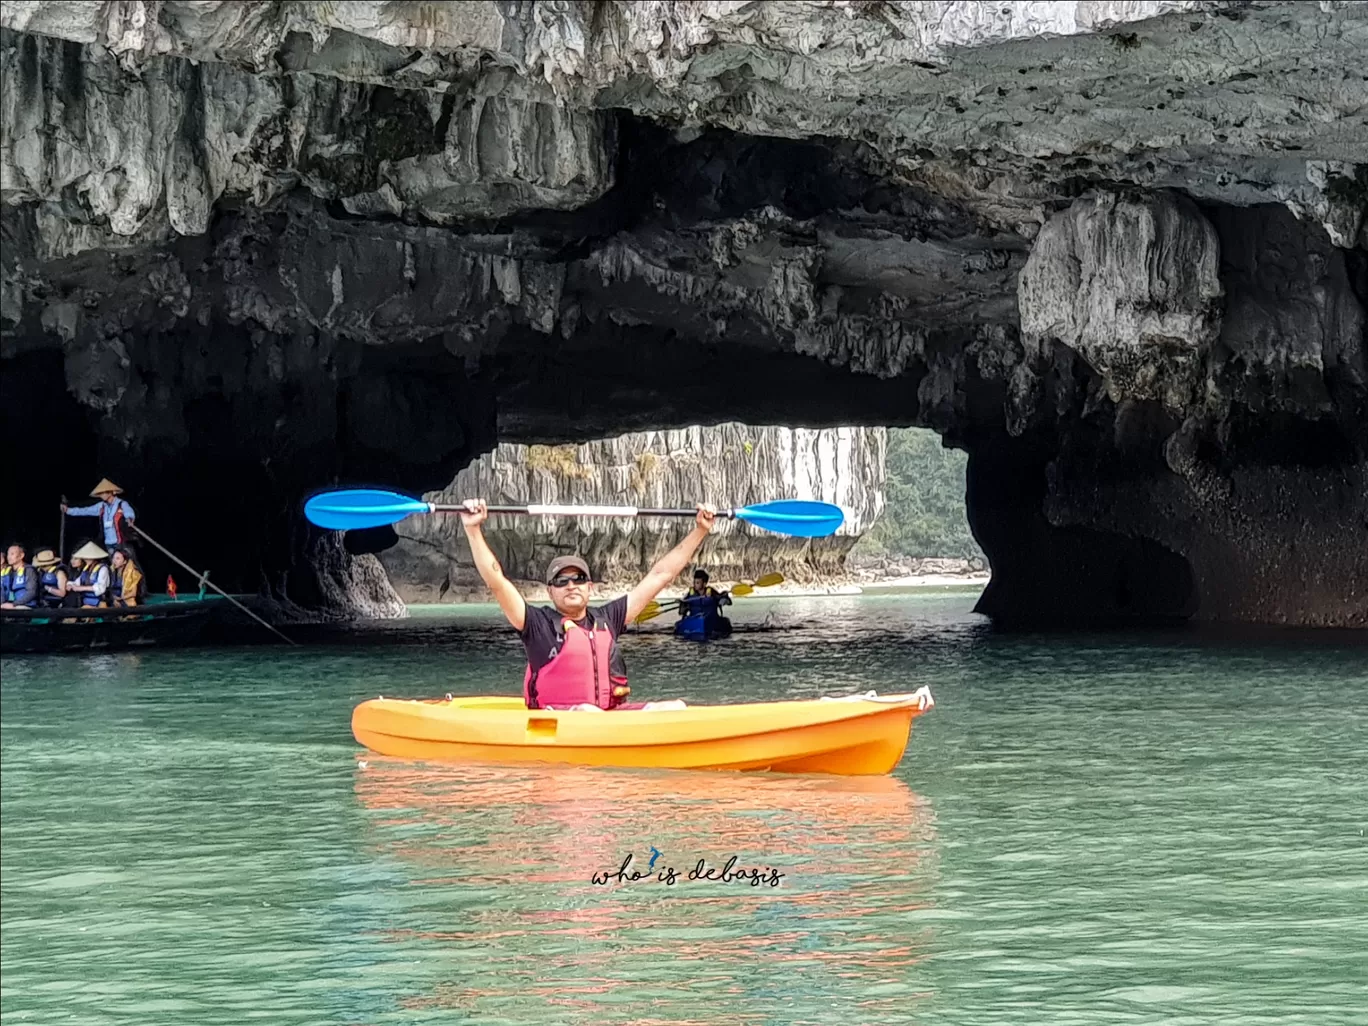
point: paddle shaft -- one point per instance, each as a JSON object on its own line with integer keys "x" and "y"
{"x": 581, "y": 511}
{"x": 61, "y": 534}
{"x": 356, "y": 509}
{"x": 204, "y": 579}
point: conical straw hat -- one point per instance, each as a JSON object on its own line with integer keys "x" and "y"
{"x": 105, "y": 485}
{"x": 90, "y": 551}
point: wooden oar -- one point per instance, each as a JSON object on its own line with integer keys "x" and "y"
{"x": 204, "y": 579}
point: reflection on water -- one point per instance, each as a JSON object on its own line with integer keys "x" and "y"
{"x": 516, "y": 849}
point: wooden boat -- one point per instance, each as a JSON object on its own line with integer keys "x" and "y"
{"x": 159, "y": 623}
{"x": 855, "y": 735}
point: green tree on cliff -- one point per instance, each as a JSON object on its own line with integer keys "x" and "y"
{"x": 924, "y": 500}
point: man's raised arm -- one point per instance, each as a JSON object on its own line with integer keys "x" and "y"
{"x": 507, "y": 596}
{"x": 670, "y": 565}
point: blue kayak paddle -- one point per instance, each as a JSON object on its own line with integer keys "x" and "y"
{"x": 357, "y": 508}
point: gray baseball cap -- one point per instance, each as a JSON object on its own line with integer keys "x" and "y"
{"x": 561, "y": 563}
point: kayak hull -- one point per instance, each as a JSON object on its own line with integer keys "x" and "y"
{"x": 702, "y": 628}
{"x": 849, "y": 737}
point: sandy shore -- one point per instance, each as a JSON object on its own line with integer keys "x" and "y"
{"x": 855, "y": 587}
{"x": 789, "y": 589}
{"x": 929, "y": 581}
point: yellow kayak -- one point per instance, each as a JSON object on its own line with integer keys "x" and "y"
{"x": 855, "y": 735}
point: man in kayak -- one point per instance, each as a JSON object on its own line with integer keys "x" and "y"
{"x": 572, "y": 650}
{"x": 706, "y": 602}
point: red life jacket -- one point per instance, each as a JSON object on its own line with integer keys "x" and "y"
{"x": 586, "y": 668}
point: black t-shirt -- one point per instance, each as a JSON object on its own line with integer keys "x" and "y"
{"x": 540, "y": 623}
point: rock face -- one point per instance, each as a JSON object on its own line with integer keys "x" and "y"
{"x": 1117, "y": 251}
{"x": 729, "y": 465}
{"x": 331, "y": 581}
{"x": 885, "y": 569}
{"x": 1230, "y": 351}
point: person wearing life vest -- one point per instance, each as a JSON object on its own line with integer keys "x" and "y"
{"x": 93, "y": 580}
{"x": 705, "y": 601}
{"x": 116, "y": 515}
{"x": 129, "y": 584}
{"x": 572, "y": 650}
{"x": 52, "y": 579}
{"x": 21, "y": 589}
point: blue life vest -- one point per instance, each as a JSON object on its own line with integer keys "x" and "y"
{"x": 49, "y": 580}
{"x": 89, "y": 598}
{"x": 707, "y": 604}
{"x": 15, "y": 583}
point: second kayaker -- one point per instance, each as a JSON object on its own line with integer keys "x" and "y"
{"x": 572, "y": 650}
{"x": 705, "y": 603}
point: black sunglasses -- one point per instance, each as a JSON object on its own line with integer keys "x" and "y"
{"x": 561, "y": 580}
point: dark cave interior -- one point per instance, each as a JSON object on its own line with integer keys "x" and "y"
{"x": 228, "y": 412}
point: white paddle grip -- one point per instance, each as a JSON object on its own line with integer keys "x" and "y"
{"x": 583, "y": 511}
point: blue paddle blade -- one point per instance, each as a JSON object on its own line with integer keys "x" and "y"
{"x": 357, "y": 508}
{"x": 798, "y": 518}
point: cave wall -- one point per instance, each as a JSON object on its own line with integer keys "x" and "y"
{"x": 1115, "y": 251}
{"x": 1228, "y": 347}
{"x": 728, "y": 465}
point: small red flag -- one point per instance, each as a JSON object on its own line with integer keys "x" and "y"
{"x": 171, "y": 587}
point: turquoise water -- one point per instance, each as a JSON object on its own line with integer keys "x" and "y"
{"x": 1164, "y": 828}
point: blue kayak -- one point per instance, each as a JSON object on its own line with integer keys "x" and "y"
{"x": 702, "y": 627}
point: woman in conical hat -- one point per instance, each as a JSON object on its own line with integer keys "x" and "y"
{"x": 90, "y": 551}
{"x": 115, "y": 514}
{"x": 92, "y": 583}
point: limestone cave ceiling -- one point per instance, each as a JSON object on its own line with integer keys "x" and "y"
{"x": 1116, "y": 250}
